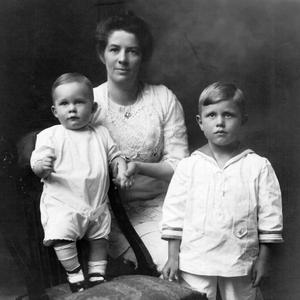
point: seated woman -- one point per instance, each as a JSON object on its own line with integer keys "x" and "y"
{"x": 147, "y": 123}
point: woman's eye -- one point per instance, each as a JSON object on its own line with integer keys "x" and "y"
{"x": 134, "y": 52}
{"x": 113, "y": 50}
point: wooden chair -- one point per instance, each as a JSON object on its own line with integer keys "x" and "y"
{"x": 41, "y": 270}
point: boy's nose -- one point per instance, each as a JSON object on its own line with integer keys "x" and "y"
{"x": 220, "y": 121}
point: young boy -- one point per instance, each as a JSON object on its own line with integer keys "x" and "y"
{"x": 72, "y": 159}
{"x": 223, "y": 206}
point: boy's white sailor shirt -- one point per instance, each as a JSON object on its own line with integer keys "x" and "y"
{"x": 222, "y": 214}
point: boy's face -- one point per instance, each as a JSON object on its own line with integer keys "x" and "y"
{"x": 73, "y": 105}
{"x": 221, "y": 123}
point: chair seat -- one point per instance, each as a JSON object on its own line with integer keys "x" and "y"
{"x": 137, "y": 287}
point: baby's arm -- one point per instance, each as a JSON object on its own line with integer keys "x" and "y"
{"x": 170, "y": 269}
{"x": 44, "y": 166}
{"x": 43, "y": 157}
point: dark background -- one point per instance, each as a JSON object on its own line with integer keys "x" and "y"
{"x": 254, "y": 43}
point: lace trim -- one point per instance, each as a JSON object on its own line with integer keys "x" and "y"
{"x": 137, "y": 129}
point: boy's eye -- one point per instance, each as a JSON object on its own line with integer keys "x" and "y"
{"x": 211, "y": 115}
{"x": 228, "y": 115}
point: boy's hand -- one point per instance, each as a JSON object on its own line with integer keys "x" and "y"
{"x": 43, "y": 167}
{"x": 170, "y": 270}
{"x": 261, "y": 267}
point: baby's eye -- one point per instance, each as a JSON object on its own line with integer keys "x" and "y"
{"x": 63, "y": 103}
{"x": 79, "y": 101}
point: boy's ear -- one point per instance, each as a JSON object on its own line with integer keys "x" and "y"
{"x": 94, "y": 107}
{"x": 199, "y": 121}
{"x": 53, "y": 109}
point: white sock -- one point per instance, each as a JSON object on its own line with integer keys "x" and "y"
{"x": 75, "y": 276}
{"x": 67, "y": 255}
{"x": 97, "y": 267}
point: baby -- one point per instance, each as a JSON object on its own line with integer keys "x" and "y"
{"x": 73, "y": 159}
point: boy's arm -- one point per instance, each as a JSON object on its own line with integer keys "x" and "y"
{"x": 173, "y": 218}
{"x": 261, "y": 267}
{"x": 269, "y": 221}
{"x": 170, "y": 270}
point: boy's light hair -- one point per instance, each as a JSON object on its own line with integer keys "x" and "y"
{"x": 220, "y": 91}
{"x": 73, "y": 77}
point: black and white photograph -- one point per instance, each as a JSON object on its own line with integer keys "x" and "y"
{"x": 149, "y": 149}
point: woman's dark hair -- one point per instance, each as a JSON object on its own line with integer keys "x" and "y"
{"x": 128, "y": 22}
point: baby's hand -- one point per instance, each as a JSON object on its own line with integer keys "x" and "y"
{"x": 123, "y": 181}
{"x": 43, "y": 167}
{"x": 132, "y": 169}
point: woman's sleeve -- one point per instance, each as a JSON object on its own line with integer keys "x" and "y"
{"x": 174, "y": 130}
{"x": 269, "y": 206}
{"x": 43, "y": 147}
{"x": 173, "y": 210}
{"x": 111, "y": 146}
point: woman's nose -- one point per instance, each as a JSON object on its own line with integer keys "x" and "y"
{"x": 122, "y": 57}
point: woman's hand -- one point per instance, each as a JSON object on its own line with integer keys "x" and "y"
{"x": 261, "y": 267}
{"x": 120, "y": 176}
{"x": 44, "y": 167}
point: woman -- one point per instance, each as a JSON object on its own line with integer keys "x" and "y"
{"x": 147, "y": 123}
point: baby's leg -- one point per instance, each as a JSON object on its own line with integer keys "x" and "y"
{"x": 66, "y": 253}
{"x": 97, "y": 234}
{"x": 236, "y": 288}
{"x": 97, "y": 261}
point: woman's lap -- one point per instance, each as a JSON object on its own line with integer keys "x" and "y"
{"x": 145, "y": 217}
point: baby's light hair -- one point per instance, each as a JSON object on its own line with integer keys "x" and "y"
{"x": 220, "y": 91}
{"x": 73, "y": 77}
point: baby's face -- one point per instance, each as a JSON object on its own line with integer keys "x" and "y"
{"x": 73, "y": 105}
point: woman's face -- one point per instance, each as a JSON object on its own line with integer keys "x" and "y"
{"x": 122, "y": 57}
